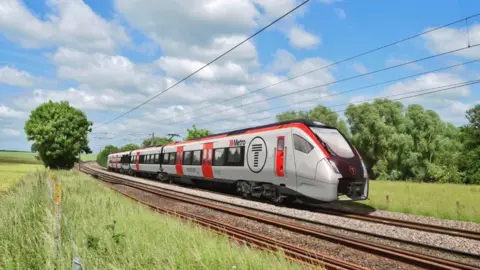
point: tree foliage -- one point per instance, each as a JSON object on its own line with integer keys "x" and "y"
{"x": 59, "y": 133}
{"x": 194, "y": 133}
{"x": 471, "y": 151}
{"x": 156, "y": 141}
{"x": 319, "y": 113}
{"x": 103, "y": 155}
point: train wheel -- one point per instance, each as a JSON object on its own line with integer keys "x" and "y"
{"x": 244, "y": 188}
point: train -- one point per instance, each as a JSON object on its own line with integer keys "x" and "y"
{"x": 283, "y": 161}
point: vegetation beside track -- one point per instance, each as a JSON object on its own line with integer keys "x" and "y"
{"x": 109, "y": 231}
{"x": 446, "y": 201}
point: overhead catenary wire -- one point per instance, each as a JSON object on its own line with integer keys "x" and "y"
{"x": 204, "y": 66}
{"x": 333, "y": 64}
{"x": 333, "y": 82}
{"x": 421, "y": 92}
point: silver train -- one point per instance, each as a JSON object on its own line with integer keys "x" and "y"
{"x": 298, "y": 159}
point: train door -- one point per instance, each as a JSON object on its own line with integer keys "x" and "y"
{"x": 305, "y": 157}
{"x": 207, "y": 160}
{"x": 284, "y": 161}
{"x": 179, "y": 161}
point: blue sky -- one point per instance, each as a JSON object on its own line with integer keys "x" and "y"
{"x": 106, "y": 57}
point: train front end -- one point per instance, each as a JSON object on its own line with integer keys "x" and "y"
{"x": 342, "y": 166}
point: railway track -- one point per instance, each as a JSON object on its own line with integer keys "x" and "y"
{"x": 401, "y": 255}
{"x": 375, "y": 219}
{"x": 292, "y": 252}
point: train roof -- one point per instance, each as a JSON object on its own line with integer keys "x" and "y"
{"x": 240, "y": 131}
{"x": 306, "y": 122}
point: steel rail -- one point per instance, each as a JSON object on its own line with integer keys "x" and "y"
{"x": 406, "y": 256}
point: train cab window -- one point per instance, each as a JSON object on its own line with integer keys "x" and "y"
{"x": 187, "y": 158}
{"x": 301, "y": 144}
{"x": 219, "y": 157}
{"x": 172, "y": 158}
{"x": 197, "y": 157}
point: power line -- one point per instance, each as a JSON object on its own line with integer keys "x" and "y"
{"x": 335, "y": 63}
{"x": 333, "y": 82}
{"x": 420, "y": 92}
{"x": 350, "y": 90}
{"x": 218, "y": 57}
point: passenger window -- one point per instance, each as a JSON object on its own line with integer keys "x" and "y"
{"x": 301, "y": 144}
{"x": 234, "y": 155}
{"x": 187, "y": 158}
{"x": 196, "y": 160}
{"x": 165, "y": 158}
{"x": 219, "y": 157}
{"x": 172, "y": 158}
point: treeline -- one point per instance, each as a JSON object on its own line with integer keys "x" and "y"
{"x": 396, "y": 142}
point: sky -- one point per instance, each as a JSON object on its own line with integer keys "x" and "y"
{"x": 107, "y": 57}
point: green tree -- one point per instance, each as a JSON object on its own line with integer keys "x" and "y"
{"x": 197, "y": 133}
{"x": 156, "y": 141}
{"x": 128, "y": 147}
{"x": 319, "y": 113}
{"x": 379, "y": 132}
{"x": 470, "y": 137}
{"x": 59, "y": 132}
{"x": 329, "y": 117}
{"x": 291, "y": 115}
{"x": 103, "y": 155}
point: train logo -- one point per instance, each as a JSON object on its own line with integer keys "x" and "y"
{"x": 257, "y": 155}
{"x": 352, "y": 170}
{"x": 237, "y": 143}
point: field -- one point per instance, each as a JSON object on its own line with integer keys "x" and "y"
{"x": 109, "y": 231}
{"x": 447, "y": 201}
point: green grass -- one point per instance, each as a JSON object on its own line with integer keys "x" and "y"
{"x": 446, "y": 201}
{"x": 88, "y": 157}
{"x": 109, "y": 231}
{"x": 11, "y": 173}
{"x": 18, "y": 157}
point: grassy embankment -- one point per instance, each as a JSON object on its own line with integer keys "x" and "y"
{"x": 13, "y": 165}
{"x": 110, "y": 232}
{"x": 446, "y": 201}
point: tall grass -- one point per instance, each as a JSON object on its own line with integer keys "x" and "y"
{"x": 109, "y": 231}
{"x": 25, "y": 230}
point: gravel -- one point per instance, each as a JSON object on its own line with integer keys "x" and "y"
{"x": 434, "y": 239}
{"x": 332, "y": 249}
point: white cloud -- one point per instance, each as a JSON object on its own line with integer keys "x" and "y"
{"x": 284, "y": 60}
{"x": 70, "y": 23}
{"x": 393, "y": 61}
{"x": 189, "y": 21}
{"x": 9, "y": 113}
{"x": 100, "y": 70}
{"x": 299, "y": 38}
{"x": 431, "y": 80}
{"x": 340, "y": 13}
{"x": 12, "y": 76}
{"x": 359, "y": 68}
{"x": 83, "y": 98}
{"x": 449, "y": 38}
{"x": 229, "y": 72}
{"x": 10, "y": 132}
